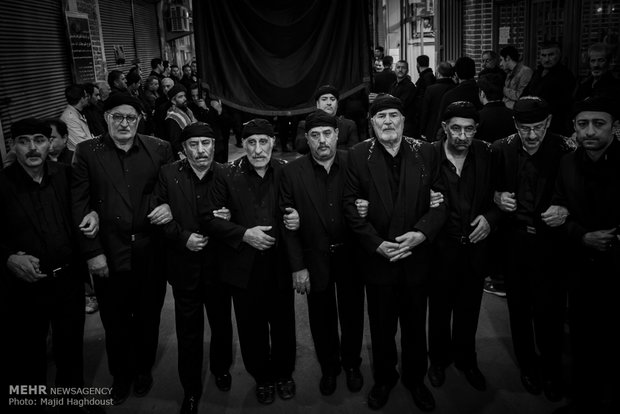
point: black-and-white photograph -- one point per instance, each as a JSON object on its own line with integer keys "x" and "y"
{"x": 310, "y": 206}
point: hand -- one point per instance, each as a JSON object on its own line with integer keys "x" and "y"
{"x": 257, "y": 238}
{"x": 160, "y": 215}
{"x": 222, "y": 213}
{"x": 554, "y": 216}
{"x": 406, "y": 243}
{"x": 387, "y": 249}
{"x": 301, "y": 281}
{"x": 98, "y": 266}
{"x": 601, "y": 240}
{"x": 362, "y": 207}
{"x": 291, "y": 219}
{"x": 505, "y": 201}
{"x": 217, "y": 105}
{"x": 90, "y": 224}
{"x": 481, "y": 231}
{"x": 25, "y": 267}
{"x": 436, "y": 199}
{"x": 201, "y": 103}
{"x": 196, "y": 242}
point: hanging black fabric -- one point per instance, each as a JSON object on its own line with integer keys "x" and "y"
{"x": 268, "y": 57}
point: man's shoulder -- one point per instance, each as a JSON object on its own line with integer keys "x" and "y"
{"x": 506, "y": 142}
{"x": 562, "y": 143}
{"x": 94, "y": 145}
{"x": 345, "y": 122}
{"x": 153, "y": 142}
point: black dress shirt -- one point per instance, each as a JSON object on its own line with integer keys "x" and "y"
{"x": 264, "y": 195}
{"x": 330, "y": 198}
{"x": 51, "y": 220}
{"x": 527, "y": 186}
{"x": 460, "y": 192}
{"x": 393, "y": 164}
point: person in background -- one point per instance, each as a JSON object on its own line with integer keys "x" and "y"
{"x": 73, "y": 117}
{"x": 490, "y": 65}
{"x": 327, "y": 98}
{"x": 495, "y": 118}
{"x": 406, "y": 91}
{"x": 384, "y": 79}
{"x": 600, "y": 80}
{"x": 518, "y": 75}
{"x": 429, "y": 117}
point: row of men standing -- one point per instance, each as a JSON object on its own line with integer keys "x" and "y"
{"x": 116, "y": 178}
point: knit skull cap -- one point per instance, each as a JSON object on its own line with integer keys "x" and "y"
{"x": 530, "y": 109}
{"x": 198, "y": 129}
{"x": 320, "y": 118}
{"x": 324, "y": 90}
{"x": 121, "y": 98}
{"x": 385, "y": 101}
{"x": 257, "y": 126}
{"x": 461, "y": 109}
{"x": 30, "y": 126}
{"x": 597, "y": 104}
{"x": 176, "y": 88}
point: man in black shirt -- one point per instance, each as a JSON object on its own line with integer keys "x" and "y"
{"x": 320, "y": 253}
{"x": 527, "y": 165}
{"x": 40, "y": 262}
{"x": 588, "y": 185}
{"x": 115, "y": 176}
{"x": 456, "y": 288}
{"x": 405, "y": 90}
{"x": 253, "y": 264}
{"x": 192, "y": 265}
{"x": 394, "y": 174}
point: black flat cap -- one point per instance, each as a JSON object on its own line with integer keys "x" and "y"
{"x": 122, "y": 98}
{"x": 461, "y": 109}
{"x": 30, "y": 126}
{"x": 385, "y": 101}
{"x": 325, "y": 89}
{"x": 320, "y": 118}
{"x": 257, "y": 126}
{"x": 198, "y": 129}
{"x": 530, "y": 109}
{"x": 597, "y": 104}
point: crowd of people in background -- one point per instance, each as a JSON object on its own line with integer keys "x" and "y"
{"x": 505, "y": 181}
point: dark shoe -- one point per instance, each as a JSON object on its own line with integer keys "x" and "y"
{"x": 327, "y": 385}
{"x": 190, "y": 404}
{"x": 265, "y": 393}
{"x": 531, "y": 383}
{"x": 120, "y": 392}
{"x": 554, "y": 391}
{"x": 355, "y": 380}
{"x": 142, "y": 385}
{"x": 422, "y": 397}
{"x": 378, "y": 396}
{"x": 286, "y": 388}
{"x": 475, "y": 378}
{"x": 436, "y": 375}
{"x": 223, "y": 381}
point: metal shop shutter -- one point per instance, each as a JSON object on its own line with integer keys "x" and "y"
{"x": 117, "y": 29}
{"x": 34, "y": 60}
{"x": 147, "y": 34}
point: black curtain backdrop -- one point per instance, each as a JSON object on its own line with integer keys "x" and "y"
{"x": 268, "y": 57}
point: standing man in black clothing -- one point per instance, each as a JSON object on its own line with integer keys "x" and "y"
{"x": 425, "y": 80}
{"x": 600, "y": 81}
{"x": 490, "y": 65}
{"x": 115, "y": 176}
{"x": 40, "y": 264}
{"x": 430, "y": 116}
{"x": 405, "y": 90}
{"x": 253, "y": 262}
{"x": 58, "y": 142}
{"x": 588, "y": 185}
{"x": 465, "y": 167}
{"x": 157, "y": 68}
{"x": 527, "y": 166}
{"x": 321, "y": 253}
{"x": 495, "y": 118}
{"x": 394, "y": 174}
{"x": 554, "y": 82}
{"x": 383, "y": 80}
{"x": 192, "y": 265}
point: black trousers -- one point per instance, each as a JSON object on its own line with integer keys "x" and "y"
{"x": 387, "y": 306}
{"x": 130, "y": 306}
{"x": 341, "y": 301}
{"x": 454, "y": 306}
{"x": 189, "y": 308}
{"x": 593, "y": 309}
{"x": 265, "y": 316}
{"x": 536, "y": 296}
{"x": 34, "y": 307}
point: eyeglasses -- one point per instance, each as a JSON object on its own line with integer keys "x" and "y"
{"x": 536, "y": 128}
{"x": 118, "y": 118}
{"x": 457, "y": 130}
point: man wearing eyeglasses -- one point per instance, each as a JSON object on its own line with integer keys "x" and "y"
{"x": 527, "y": 166}
{"x": 456, "y": 288}
{"x": 115, "y": 176}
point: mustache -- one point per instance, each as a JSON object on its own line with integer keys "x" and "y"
{"x": 33, "y": 154}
